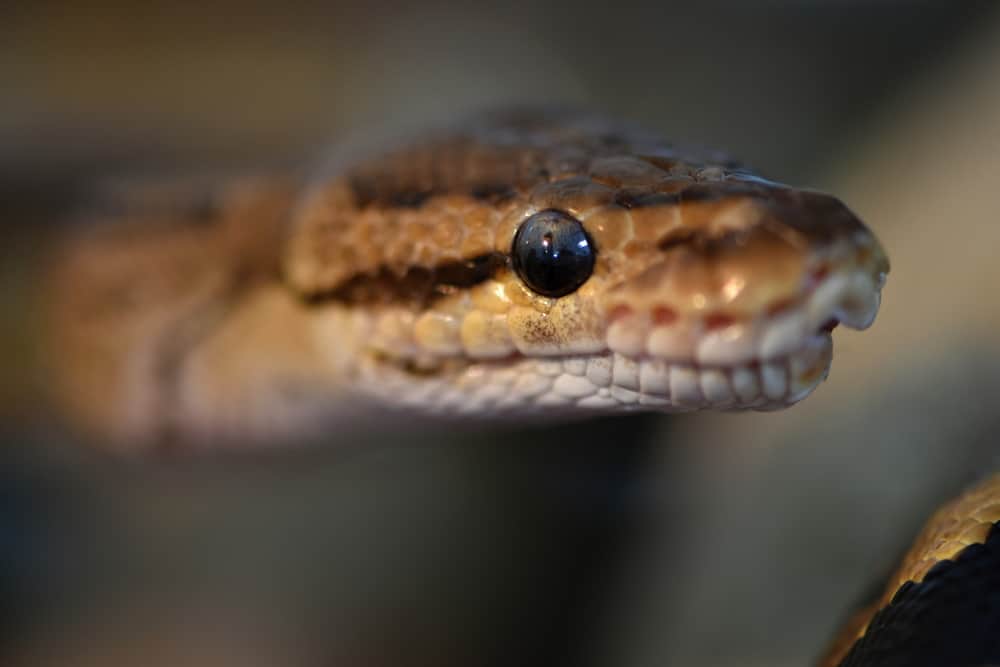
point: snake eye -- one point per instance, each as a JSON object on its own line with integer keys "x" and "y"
{"x": 552, "y": 253}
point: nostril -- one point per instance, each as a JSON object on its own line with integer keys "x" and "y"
{"x": 830, "y": 325}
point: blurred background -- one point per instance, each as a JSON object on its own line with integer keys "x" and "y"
{"x": 700, "y": 540}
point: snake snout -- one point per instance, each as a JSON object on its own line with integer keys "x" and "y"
{"x": 747, "y": 300}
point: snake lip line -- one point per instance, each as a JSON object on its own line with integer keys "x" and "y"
{"x": 848, "y": 297}
{"x": 766, "y": 364}
{"x": 611, "y": 382}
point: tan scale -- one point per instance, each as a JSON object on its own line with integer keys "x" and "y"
{"x": 386, "y": 285}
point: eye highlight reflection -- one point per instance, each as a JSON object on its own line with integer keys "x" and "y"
{"x": 552, "y": 253}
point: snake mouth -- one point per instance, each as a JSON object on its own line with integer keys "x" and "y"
{"x": 655, "y": 361}
{"x": 775, "y": 359}
{"x": 607, "y": 382}
{"x": 642, "y": 360}
{"x": 849, "y": 297}
{"x": 613, "y": 381}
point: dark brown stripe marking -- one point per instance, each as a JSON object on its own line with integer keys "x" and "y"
{"x": 418, "y": 287}
{"x": 370, "y": 193}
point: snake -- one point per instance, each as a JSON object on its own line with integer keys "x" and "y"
{"x": 517, "y": 266}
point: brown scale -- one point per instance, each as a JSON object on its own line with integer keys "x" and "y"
{"x": 426, "y": 226}
{"x": 143, "y": 277}
{"x": 670, "y": 233}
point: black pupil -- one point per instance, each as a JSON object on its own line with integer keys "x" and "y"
{"x": 552, "y": 253}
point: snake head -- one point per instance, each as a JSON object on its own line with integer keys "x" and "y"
{"x": 561, "y": 267}
{"x": 551, "y": 266}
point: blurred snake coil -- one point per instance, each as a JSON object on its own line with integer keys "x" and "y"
{"x": 520, "y": 265}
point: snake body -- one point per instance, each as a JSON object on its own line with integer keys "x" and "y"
{"x": 516, "y": 266}
{"x": 942, "y": 605}
{"x": 391, "y": 282}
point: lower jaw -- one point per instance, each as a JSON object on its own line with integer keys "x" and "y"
{"x": 604, "y": 383}
{"x": 680, "y": 386}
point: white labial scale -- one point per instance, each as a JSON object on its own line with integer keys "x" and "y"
{"x": 810, "y": 367}
{"x": 799, "y": 390}
{"x": 624, "y": 396}
{"x": 672, "y": 342}
{"x": 783, "y": 334}
{"x": 625, "y": 373}
{"x": 876, "y": 303}
{"x": 774, "y": 378}
{"x": 627, "y": 337}
{"x": 491, "y": 391}
{"x": 685, "y": 386}
{"x": 825, "y": 300}
{"x": 859, "y": 304}
{"x": 598, "y": 401}
{"x": 732, "y": 345}
{"x": 715, "y": 386}
{"x": 573, "y": 386}
{"x": 654, "y": 377}
{"x": 745, "y": 383}
{"x": 429, "y": 393}
{"x": 657, "y": 401}
{"x": 473, "y": 378}
{"x": 531, "y": 384}
{"x": 599, "y": 371}
{"x": 552, "y": 399}
{"x": 575, "y": 365}
{"x": 549, "y": 367}
{"x": 504, "y": 376}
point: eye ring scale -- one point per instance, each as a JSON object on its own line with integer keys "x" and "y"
{"x": 552, "y": 253}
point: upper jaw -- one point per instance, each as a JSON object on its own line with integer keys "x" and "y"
{"x": 847, "y": 296}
